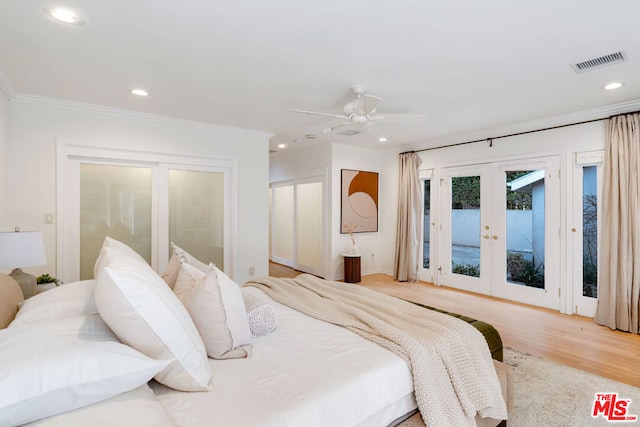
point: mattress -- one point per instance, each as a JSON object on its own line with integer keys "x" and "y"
{"x": 307, "y": 372}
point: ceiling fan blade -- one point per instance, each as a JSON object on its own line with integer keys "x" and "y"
{"x": 399, "y": 117}
{"x": 334, "y": 127}
{"x": 321, "y": 114}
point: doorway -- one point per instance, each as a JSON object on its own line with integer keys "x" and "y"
{"x": 297, "y": 224}
{"x": 499, "y": 229}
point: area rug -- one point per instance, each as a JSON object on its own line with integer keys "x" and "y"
{"x": 553, "y": 395}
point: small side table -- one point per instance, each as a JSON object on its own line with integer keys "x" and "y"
{"x": 351, "y": 268}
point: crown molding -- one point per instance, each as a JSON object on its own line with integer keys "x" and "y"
{"x": 529, "y": 126}
{"x": 136, "y": 115}
{"x": 6, "y": 87}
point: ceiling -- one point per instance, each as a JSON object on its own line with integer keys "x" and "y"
{"x": 468, "y": 65}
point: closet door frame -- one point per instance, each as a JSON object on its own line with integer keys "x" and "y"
{"x": 67, "y": 183}
{"x": 316, "y": 176}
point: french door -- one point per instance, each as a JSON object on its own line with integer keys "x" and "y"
{"x": 500, "y": 230}
{"x": 585, "y": 230}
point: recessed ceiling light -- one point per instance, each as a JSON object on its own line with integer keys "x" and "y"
{"x": 139, "y": 92}
{"x": 282, "y": 145}
{"x": 65, "y": 15}
{"x": 310, "y": 136}
{"x": 382, "y": 139}
{"x": 612, "y": 86}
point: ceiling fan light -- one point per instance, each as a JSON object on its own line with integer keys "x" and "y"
{"x": 65, "y": 15}
{"x": 139, "y": 92}
{"x": 612, "y": 86}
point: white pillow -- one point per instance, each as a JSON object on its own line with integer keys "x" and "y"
{"x": 216, "y": 306}
{"x": 47, "y": 368}
{"x": 116, "y": 246}
{"x": 262, "y": 317}
{"x": 177, "y": 255}
{"x": 144, "y": 313}
{"x": 135, "y": 408}
{"x": 69, "y": 300}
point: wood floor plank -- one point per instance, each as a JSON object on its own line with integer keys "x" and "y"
{"x": 571, "y": 340}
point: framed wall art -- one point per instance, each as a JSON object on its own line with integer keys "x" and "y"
{"x": 359, "y": 202}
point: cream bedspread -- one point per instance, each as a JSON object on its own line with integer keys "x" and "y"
{"x": 453, "y": 374}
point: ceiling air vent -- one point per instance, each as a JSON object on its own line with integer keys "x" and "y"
{"x": 603, "y": 61}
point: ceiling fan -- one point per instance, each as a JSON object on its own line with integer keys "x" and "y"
{"x": 362, "y": 111}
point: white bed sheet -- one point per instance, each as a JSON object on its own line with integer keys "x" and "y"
{"x": 305, "y": 373}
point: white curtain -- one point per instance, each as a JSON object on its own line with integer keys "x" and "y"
{"x": 409, "y": 220}
{"x": 619, "y": 278}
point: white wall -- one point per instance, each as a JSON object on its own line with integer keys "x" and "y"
{"x": 349, "y": 157}
{"x": 35, "y": 125}
{"x": 4, "y": 143}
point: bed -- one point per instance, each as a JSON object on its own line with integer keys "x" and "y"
{"x": 306, "y": 372}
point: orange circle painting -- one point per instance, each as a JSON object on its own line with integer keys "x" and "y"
{"x": 359, "y": 201}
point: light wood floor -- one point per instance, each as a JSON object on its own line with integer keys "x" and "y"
{"x": 571, "y": 340}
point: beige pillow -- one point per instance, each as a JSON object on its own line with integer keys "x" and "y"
{"x": 217, "y": 308}
{"x": 178, "y": 254}
{"x": 10, "y": 297}
{"x": 140, "y": 309}
{"x": 261, "y": 316}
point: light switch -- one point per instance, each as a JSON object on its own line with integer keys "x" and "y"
{"x": 48, "y": 218}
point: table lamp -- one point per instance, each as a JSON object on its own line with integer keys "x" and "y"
{"x": 20, "y": 249}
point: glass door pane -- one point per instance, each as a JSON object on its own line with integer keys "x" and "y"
{"x": 426, "y": 229}
{"x": 590, "y": 231}
{"x": 465, "y": 225}
{"x": 309, "y": 227}
{"x": 587, "y": 183}
{"x": 525, "y": 227}
{"x": 283, "y": 231}
{"x": 525, "y": 240}
{"x": 464, "y": 245}
{"x": 115, "y": 201}
{"x": 196, "y": 214}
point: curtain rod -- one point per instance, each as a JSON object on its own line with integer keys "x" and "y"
{"x": 490, "y": 140}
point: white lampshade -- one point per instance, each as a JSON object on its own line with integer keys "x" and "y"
{"x": 19, "y": 249}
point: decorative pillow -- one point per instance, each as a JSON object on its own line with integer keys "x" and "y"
{"x": 51, "y": 367}
{"x": 144, "y": 313}
{"x": 10, "y": 297}
{"x": 262, "y": 317}
{"x": 135, "y": 408}
{"x": 216, "y": 306}
{"x": 72, "y": 299}
{"x": 177, "y": 255}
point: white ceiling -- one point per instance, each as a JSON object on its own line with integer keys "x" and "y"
{"x": 469, "y": 65}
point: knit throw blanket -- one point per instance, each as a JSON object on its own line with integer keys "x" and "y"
{"x": 453, "y": 374}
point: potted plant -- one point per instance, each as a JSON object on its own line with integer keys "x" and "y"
{"x": 46, "y": 279}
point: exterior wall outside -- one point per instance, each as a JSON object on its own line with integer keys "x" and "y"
{"x": 537, "y": 223}
{"x": 35, "y": 126}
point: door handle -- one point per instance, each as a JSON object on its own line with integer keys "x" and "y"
{"x": 495, "y": 237}
{"x": 486, "y": 236}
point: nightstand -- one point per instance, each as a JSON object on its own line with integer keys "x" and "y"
{"x": 351, "y": 268}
